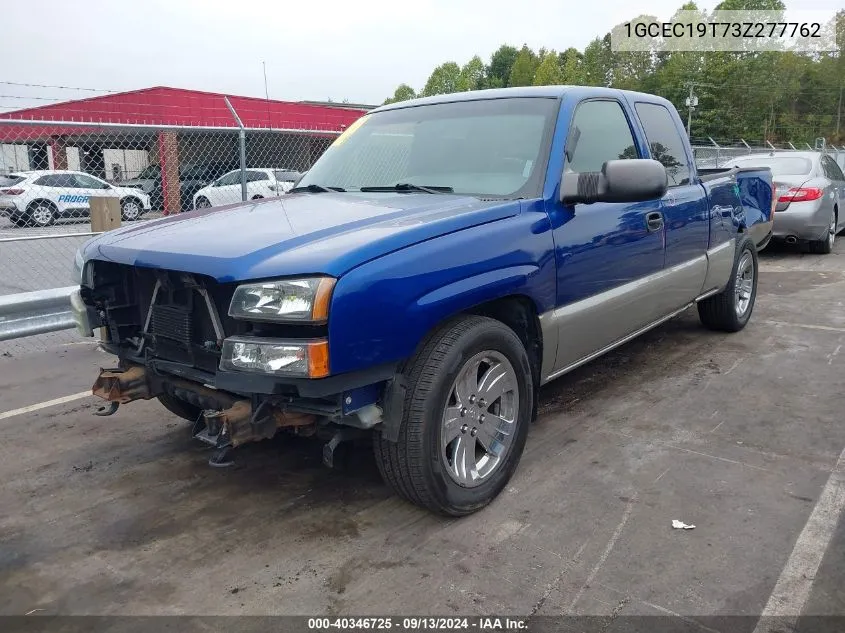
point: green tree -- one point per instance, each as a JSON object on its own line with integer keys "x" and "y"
{"x": 598, "y": 62}
{"x": 501, "y": 63}
{"x": 472, "y": 75}
{"x": 522, "y": 73}
{"x": 548, "y": 72}
{"x": 571, "y": 64}
{"x": 443, "y": 80}
{"x": 403, "y": 92}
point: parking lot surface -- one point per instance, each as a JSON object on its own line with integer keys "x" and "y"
{"x": 741, "y": 435}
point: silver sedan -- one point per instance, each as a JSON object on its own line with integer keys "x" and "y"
{"x": 810, "y": 196}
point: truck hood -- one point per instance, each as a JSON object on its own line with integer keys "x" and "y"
{"x": 303, "y": 233}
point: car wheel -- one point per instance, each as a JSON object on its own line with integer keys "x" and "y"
{"x": 202, "y": 203}
{"x": 131, "y": 209}
{"x": 825, "y": 245}
{"x": 184, "y": 410}
{"x": 465, "y": 418}
{"x": 730, "y": 310}
{"x": 42, "y": 213}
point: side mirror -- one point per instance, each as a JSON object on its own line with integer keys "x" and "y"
{"x": 618, "y": 181}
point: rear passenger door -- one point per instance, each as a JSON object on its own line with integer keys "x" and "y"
{"x": 685, "y": 209}
{"x": 608, "y": 254}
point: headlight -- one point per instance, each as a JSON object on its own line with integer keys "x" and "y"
{"x": 304, "y": 359}
{"x": 302, "y": 300}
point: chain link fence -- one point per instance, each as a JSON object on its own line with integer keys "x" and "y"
{"x": 709, "y": 153}
{"x": 49, "y": 171}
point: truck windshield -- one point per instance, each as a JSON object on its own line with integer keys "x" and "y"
{"x": 494, "y": 147}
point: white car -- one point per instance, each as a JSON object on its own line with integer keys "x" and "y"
{"x": 39, "y": 198}
{"x": 260, "y": 183}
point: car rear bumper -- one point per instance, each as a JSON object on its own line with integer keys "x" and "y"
{"x": 802, "y": 220}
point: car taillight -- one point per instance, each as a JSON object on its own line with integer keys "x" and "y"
{"x": 801, "y": 194}
{"x": 11, "y": 192}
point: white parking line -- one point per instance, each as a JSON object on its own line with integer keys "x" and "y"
{"x": 796, "y": 580}
{"x": 44, "y": 405}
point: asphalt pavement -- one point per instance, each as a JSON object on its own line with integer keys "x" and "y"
{"x": 741, "y": 435}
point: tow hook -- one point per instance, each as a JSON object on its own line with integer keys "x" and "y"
{"x": 107, "y": 409}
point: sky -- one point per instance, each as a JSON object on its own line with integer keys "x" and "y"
{"x": 313, "y": 49}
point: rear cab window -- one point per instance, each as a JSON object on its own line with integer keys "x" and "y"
{"x": 665, "y": 142}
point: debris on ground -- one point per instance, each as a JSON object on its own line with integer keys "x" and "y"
{"x": 680, "y": 525}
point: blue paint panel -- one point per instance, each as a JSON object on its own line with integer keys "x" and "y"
{"x": 382, "y": 309}
{"x": 602, "y": 245}
{"x": 71, "y": 199}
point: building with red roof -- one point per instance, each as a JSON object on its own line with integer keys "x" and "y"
{"x": 116, "y": 136}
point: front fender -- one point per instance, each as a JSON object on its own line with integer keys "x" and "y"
{"x": 381, "y": 310}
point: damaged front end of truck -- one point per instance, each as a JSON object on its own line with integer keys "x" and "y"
{"x": 242, "y": 362}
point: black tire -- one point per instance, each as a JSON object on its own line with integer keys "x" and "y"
{"x": 257, "y": 197}
{"x": 824, "y": 246}
{"x": 184, "y": 410}
{"x": 413, "y": 466}
{"x": 126, "y": 205}
{"x": 33, "y": 212}
{"x": 202, "y": 203}
{"x": 719, "y": 312}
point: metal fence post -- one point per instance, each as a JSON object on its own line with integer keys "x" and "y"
{"x": 242, "y": 145}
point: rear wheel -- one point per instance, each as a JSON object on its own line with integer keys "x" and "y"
{"x": 42, "y": 213}
{"x": 202, "y": 203}
{"x": 825, "y": 245}
{"x": 730, "y": 310}
{"x": 465, "y": 419}
{"x": 178, "y": 407}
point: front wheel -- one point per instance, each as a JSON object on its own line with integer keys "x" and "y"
{"x": 131, "y": 209}
{"x": 42, "y": 213}
{"x": 730, "y": 310}
{"x": 465, "y": 420}
{"x": 202, "y": 203}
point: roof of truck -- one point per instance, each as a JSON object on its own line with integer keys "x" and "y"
{"x": 527, "y": 91}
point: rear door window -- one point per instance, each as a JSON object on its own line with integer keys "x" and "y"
{"x": 229, "y": 179}
{"x": 286, "y": 176}
{"x": 831, "y": 169}
{"x": 256, "y": 176}
{"x": 65, "y": 181}
{"x": 665, "y": 142}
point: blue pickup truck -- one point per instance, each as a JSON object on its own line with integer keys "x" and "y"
{"x": 440, "y": 262}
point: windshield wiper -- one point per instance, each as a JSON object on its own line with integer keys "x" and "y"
{"x": 406, "y": 186}
{"x": 315, "y": 189}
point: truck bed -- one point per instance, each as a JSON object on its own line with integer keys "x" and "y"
{"x": 753, "y": 185}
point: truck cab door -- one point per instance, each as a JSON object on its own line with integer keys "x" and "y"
{"x": 686, "y": 210}
{"x": 609, "y": 256}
